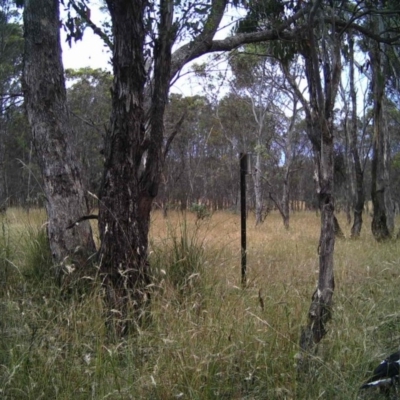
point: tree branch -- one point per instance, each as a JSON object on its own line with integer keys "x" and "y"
{"x": 172, "y": 135}
{"x": 84, "y": 13}
{"x": 204, "y": 44}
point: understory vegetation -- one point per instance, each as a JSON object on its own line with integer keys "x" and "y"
{"x": 207, "y": 337}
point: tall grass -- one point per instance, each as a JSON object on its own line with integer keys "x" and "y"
{"x": 208, "y": 338}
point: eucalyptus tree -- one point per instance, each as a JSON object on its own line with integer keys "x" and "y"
{"x": 383, "y": 216}
{"x": 356, "y": 124}
{"x": 378, "y": 37}
{"x": 322, "y": 69}
{"x": 52, "y": 136}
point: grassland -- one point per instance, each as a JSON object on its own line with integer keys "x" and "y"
{"x": 207, "y": 338}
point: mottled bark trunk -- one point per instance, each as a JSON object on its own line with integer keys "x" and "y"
{"x": 45, "y": 99}
{"x": 382, "y": 221}
{"x": 320, "y": 120}
{"x": 320, "y": 309}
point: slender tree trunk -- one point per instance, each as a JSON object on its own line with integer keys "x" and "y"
{"x": 283, "y": 206}
{"x": 45, "y": 99}
{"x": 257, "y": 176}
{"x": 320, "y": 121}
{"x": 320, "y": 309}
{"x": 286, "y": 199}
{"x": 3, "y": 133}
{"x": 382, "y": 221}
{"x": 349, "y": 182}
{"x": 359, "y": 198}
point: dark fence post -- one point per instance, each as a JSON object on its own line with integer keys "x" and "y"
{"x": 243, "y": 172}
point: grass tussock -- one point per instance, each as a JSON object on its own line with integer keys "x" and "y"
{"x": 208, "y": 338}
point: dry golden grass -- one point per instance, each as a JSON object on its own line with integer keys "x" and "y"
{"x": 207, "y": 338}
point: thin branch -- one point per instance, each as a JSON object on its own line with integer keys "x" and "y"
{"x": 172, "y": 135}
{"x": 84, "y": 12}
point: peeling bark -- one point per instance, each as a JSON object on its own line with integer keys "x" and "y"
{"x": 134, "y": 159}
{"x": 322, "y": 91}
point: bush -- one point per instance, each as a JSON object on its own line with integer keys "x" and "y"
{"x": 200, "y": 210}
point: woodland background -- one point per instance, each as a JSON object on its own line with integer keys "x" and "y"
{"x": 150, "y": 290}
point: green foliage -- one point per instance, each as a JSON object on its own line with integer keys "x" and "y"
{"x": 261, "y": 14}
{"x": 11, "y": 37}
{"x": 200, "y": 210}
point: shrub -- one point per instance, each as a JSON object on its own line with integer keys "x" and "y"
{"x": 200, "y": 210}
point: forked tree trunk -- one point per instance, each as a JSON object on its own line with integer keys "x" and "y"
{"x": 45, "y": 99}
{"x": 133, "y": 159}
{"x": 319, "y": 116}
{"x": 320, "y": 310}
{"x": 382, "y": 221}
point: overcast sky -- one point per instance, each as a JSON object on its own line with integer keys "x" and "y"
{"x": 89, "y": 52}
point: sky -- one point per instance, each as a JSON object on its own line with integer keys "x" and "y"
{"x": 89, "y": 52}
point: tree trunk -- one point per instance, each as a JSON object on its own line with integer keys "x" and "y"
{"x": 320, "y": 309}
{"x": 133, "y": 159}
{"x": 257, "y": 176}
{"x": 319, "y": 117}
{"x": 382, "y": 221}
{"x": 3, "y": 134}
{"x": 45, "y": 99}
{"x": 286, "y": 199}
{"x": 337, "y": 229}
{"x": 124, "y": 212}
{"x": 349, "y": 181}
{"x": 359, "y": 199}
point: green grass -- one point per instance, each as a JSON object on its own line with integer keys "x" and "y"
{"x": 207, "y": 338}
